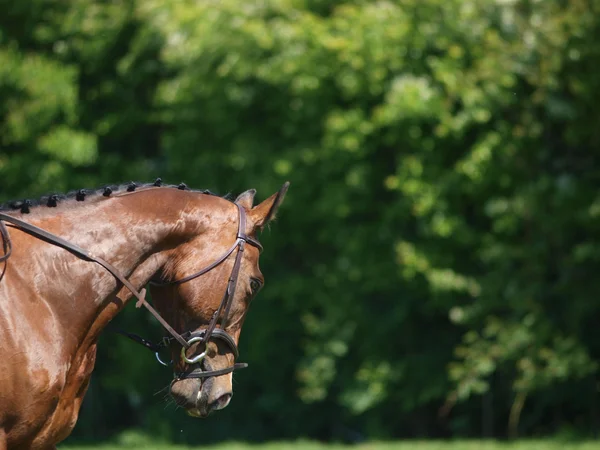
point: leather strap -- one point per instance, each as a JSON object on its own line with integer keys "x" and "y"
{"x": 137, "y": 338}
{"x": 217, "y": 334}
{"x": 201, "y": 272}
{"x": 241, "y": 238}
{"x": 56, "y": 240}
{"x": 198, "y": 373}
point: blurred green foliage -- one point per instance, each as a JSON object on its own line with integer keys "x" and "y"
{"x": 433, "y": 269}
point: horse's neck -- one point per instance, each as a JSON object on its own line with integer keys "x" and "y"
{"x": 132, "y": 232}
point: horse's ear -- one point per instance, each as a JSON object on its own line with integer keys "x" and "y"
{"x": 246, "y": 198}
{"x": 266, "y": 211}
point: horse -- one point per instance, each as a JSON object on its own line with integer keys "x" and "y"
{"x": 72, "y": 262}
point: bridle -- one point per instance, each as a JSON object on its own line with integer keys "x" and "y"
{"x": 222, "y": 313}
{"x": 187, "y": 339}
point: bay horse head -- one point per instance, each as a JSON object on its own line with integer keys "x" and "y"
{"x": 70, "y": 263}
{"x": 205, "y": 289}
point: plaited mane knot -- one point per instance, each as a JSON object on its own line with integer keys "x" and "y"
{"x": 25, "y": 206}
{"x": 52, "y": 201}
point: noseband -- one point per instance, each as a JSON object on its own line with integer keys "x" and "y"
{"x": 187, "y": 339}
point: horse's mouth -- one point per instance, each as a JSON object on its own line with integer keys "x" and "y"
{"x": 189, "y": 395}
{"x": 201, "y": 410}
{"x": 195, "y": 412}
{"x": 204, "y": 408}
{"x": 200, "y": 398}
{"x": 194, "y": 399}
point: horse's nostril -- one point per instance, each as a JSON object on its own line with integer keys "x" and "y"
{"x": 221, "y": 402}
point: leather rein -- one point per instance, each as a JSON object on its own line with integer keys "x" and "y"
{"x": 187, "y": 339}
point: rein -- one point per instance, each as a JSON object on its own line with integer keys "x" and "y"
{"x": 187, "y": 339}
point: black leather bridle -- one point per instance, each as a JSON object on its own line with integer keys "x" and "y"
{"x": 186, "y": 339}
{"x": 222, "y": 313}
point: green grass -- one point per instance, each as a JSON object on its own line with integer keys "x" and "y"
{"x": 138, "y": 442}
{"x": 405, "y": 445}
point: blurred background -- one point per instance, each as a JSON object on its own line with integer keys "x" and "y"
{"x": 433, "y": 271}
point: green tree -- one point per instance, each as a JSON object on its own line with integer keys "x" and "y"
{"x": 438, "y": 241}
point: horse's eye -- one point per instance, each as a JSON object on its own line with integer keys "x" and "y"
{"x": 255, "y": 285}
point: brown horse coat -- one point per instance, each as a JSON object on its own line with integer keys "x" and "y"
{"x": 54, "y": 304}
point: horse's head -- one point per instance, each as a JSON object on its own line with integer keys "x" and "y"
{"x": 205, "y": 292}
